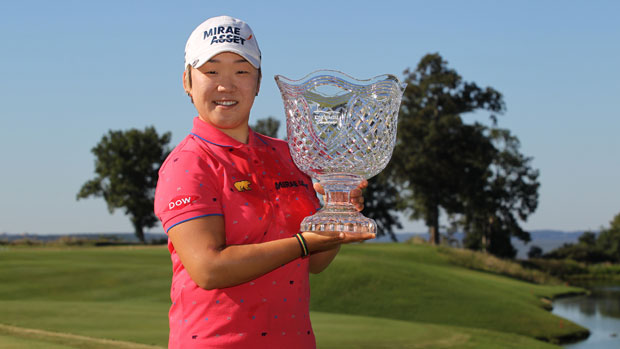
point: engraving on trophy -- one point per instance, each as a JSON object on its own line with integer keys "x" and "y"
{"x": 340, "y": 130}
{"x": 326, "y": 117}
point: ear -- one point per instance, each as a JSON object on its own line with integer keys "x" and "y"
{"x": 260, "y": 76}
{"x": 187, "y": 81}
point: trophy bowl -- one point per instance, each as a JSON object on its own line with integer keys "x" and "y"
{"x": 340, "y": 130}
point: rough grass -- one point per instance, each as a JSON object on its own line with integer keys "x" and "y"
{"x": 489, "y": 263}
{"x": 388, "y": 295}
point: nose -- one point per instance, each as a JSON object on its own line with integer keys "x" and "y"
{"x": 226, "y": 84}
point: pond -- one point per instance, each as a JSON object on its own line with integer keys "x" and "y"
{"x": 599, "y": 312}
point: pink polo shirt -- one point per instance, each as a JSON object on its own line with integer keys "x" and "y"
{"x": 262, "y": 196}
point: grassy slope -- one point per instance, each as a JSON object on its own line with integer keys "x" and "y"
{"x": 122, "y": 294}
{"x": 415, "y": 283}
{"x": 101, "y": 292}
{"x": 337, "y": 331}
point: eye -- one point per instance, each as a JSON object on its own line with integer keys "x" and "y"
{"x": 210, "y": 72}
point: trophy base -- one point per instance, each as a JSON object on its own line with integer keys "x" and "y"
{"x": 353, "y": 222}
{"x": 339, "y": 214}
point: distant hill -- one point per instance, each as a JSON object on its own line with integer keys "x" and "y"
{"x": 546, "y": 239}
{"x": 120, "y": 237}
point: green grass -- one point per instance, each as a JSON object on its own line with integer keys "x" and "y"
{"x": 114, "y": 293}
{"x": 140, "y": 322}
{"x": 339, "y": 331}
{"x": 373, "y": 296}
{"x": 415, "y": 283}
{"x": 10, "y": 342}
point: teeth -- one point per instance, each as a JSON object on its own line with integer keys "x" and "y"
{"x": 225, "y": 103}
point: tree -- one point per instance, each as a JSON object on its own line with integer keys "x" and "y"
{"x": 592, "y": 247}
{"x": 509, "y": 194}
{"x": 535, "y": 252}
{"x": 615, "y": 223}
{"x": 588, "y": 238}
{"x": 268, "y": 126}
{"x": 380, "y": 203}
{"x": 126, "y": 167}
{"x": 609, "y": 240}
{"x": 438, "y": 159}
{"x": 582, "y": 251}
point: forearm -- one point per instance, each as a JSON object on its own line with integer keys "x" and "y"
{"x": 321, "y": 260}
{"x": 201, "y": 245}
{"x": 236, "y": 264}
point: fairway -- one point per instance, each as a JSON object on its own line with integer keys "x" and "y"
{"x": 373, "y": 296}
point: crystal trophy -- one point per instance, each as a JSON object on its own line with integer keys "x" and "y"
{"x": 340, "y": 130}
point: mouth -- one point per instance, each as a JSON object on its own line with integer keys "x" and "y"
{"x": 225, "y": 103}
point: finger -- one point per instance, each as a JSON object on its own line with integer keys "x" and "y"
{"x": 319, "y": 188}
{"x": 335, "y": 235}
{"x": 355, "y": 193}
{"x": 325, "y": 241}
{"x": 357, "y": 200}
{"x": 357, "y": 237}
{"x": 363, "y": 184}
{"x": 328, "y": 235}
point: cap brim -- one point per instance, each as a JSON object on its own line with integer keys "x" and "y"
{"x": 204, "y": 57}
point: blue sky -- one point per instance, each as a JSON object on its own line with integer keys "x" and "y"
{"x": 72, "y": 70}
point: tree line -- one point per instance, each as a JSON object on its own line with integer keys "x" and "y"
{"x": 591, "y": 247}
{"x": 472, "y": 173}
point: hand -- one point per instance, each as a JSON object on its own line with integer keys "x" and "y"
{"x": 356, "y": 197}
{"x": 327, "y": 240}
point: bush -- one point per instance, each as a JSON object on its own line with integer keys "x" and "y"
{"x": 26, "y": 241}
{"x": 160, "y": 241}
{"x": 560, "y": 268}
{"x": 489, "y": 263}
{"x": 581, "y": 252}
{"x": 70, "y": 241}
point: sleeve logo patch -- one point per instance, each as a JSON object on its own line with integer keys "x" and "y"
{"x": 181, "y": 201}
{"x": 242, "y": 185}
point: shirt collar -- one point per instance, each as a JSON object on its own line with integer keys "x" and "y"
{"x": 213, "y": 135}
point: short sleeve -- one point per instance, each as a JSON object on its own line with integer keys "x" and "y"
{"x": 186, "y": 189}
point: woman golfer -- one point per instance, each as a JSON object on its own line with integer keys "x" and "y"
{"x": 231, "y": 201}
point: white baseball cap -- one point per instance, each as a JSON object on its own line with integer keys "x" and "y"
{"x": 221, "y": 34}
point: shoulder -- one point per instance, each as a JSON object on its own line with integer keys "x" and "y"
{"x": 189, "y": 151}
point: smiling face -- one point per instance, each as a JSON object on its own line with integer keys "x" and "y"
{"x": 223, "y": 91}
